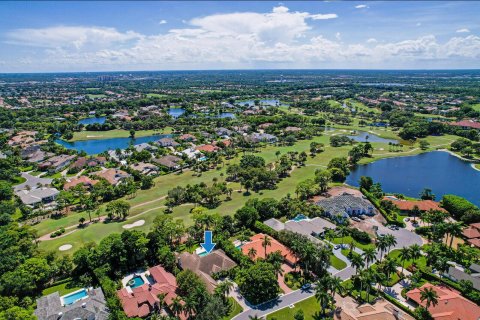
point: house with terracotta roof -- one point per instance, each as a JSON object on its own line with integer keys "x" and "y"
{"x": 113, "y": 176}
{"x": 348, "y": 309}
{"x": 142, "y": 300}
{"x": 451, "y": 305}
{"x": 207, "y": 148}
{"x": 187, "y": 137}
{"x": 206, "y": 265}
{"x": 292, "y": 129}
{"x": 85, "y": 181}
{"x": 466, "y": 124}
{"x": 472, "y": 234}
{"x": 169, "y": 161}
{"x": 56, "y": 163}
{"x": 405, "y": 206}
{"x": 256, "y": 243}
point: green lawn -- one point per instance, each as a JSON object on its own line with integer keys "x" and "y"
{"x": 156, "y": 95}
{"x": 421, "y": 262}
{"x": 62, "y": 287}
{"x": 310, "y": 307}
{"x": 477, "y": 166}
{"x": 476, "y": 107}
{"x": 349, "y": 239}
{"x": 96, "y": 96}
{"x": 235, "y": 309}
{"x": 117, "y": 133}
{"x": 337, "y": 263}
{"x": 18, "y": 180}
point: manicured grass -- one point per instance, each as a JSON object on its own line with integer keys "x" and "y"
{"x": 56, "y": 175}
{"x": 156, "y": 95}
{"x": 354, "y": 292}
{"x": 117, "y": 133}
{"x": 311, "y": 310}
{"x": 337, "y": 263}
{"x": 476, "y": 107}
{"x": 63, "y": 288}
{"x": 18, "y": 180}
{"x": 349, "y": 239}
{"x": 234, "y": 310}
{"x": 96, "y": 96}
{"x": 477, "y": 166}
{"x": 420, "y": 262}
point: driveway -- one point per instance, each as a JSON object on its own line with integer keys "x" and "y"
{"x": 32, "y": 182}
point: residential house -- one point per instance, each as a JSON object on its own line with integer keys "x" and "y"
{"x": 91, "y": 307}
{"x": 144, "y": 146}
{"x": 143, "y": 300}
{"x": 262, "y": 137}
{"x": 472, "y": 234}
{"x": 36, "y": 197}
{"x": 312, "y": 228}
{"x": 346, "y": 205}
{"x": 85, "y": 181}
{"x": 451, "y": 305}
{"x": 34, "y": 154}
{"x": 83, "y": 162}
{"x": 223, "y": 132}
{"x": 292, "y": 129}
{"x": 265, "y": 125}
{"x": 56, "y": 163}
{"x": 207, "y": 148}
{"x": 205, "y": 266}
{"x": 187, "y": 137}
{"x": 168, "y": 142}
{"x": 380, "y": 310}
{"x": 256, "y": 243}
{"x": 457, "y": 273}
{"x": 466, "y": 124}
{"x": 191, "y": 153}
{"x": 145, "y": 168}
{"x": 113, "y": 176}
{"x": 405, "y": 206}
{"x": 170, "y": 162}
{"x": 22, "y": 138}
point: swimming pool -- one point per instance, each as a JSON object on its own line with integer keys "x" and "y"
{"x": 300, "y": 217}
{"x": 73, "y": 297}
{"x": 136, "y": 282}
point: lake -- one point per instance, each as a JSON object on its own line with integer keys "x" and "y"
{"x": 362, "y": 135}
{"x": 87, "y": 121}
{"x": 177, "y": 112}
{"x": 99, "y": 146}
{"x": 264, "y": 102}
{"x": 436, "y": 170}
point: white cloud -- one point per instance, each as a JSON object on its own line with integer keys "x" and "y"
{"x": 418, "y": 24}
{"x": 163, "y": 21}
{"x": 361, "y": 6}
{"x": 463, "y": 30}
{"x": 280, "y": 38}
{"x": 323, "y": 16}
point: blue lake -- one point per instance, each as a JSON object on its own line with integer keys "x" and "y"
{"x": 86, "y": 121}
{"x": 177, "y": 112}
{"x": 437, "y": 170}
{"x": 265, "y": 102}
{"x": 99, "y": 146}
{"x": 362, "y": 137}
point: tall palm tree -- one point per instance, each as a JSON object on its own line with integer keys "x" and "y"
{"x": 382, "y": 245}
{"x": 252, "y": 252}
{"x": 324, "y": 300}
{"x": 455, "y": 230}
{"x": 404, "y": 256}
{"x": 224, "y": 288}
{"x": 342, "y": 232}
{"x": 335, "y": 286}
{"x": 430, "y": 297}
{"x": 389, "y": 266}
{"x": 357, "y": 262}
{"x": 266, "y": 242}
{"x": 415, "y": 252}
{"x": 391, "y": 241}
{"x": 369, "y": 255}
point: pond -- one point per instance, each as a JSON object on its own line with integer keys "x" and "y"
{"x": 362, "y": 137}
{"x": 437, "y": 170}
{"x": 93, "y": 120}
{"x": 99, "y": 146}
{"x": 177, "y": 112}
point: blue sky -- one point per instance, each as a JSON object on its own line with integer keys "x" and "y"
{"x": 169, "y": 35}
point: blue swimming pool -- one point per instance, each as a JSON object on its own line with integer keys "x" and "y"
{"x": 136, "y": 282}
{"x": 73, "y": 297}
{"x": 300, "y": 217}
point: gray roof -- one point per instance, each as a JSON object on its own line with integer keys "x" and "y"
{"x": 344, "y": 202}
{"x": 37, "y": 195}
{"x": 144, "y": 146}
{"x": 32, "y": 182}
{"x": 91, "y": 308}
{"x": 275, "y": 224}
{"x": 458, "y": 273}
{"x": 310, "y": 226}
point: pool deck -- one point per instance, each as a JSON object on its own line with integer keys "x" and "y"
{"x": 142, "y": 274}
{"x": 62, "y": 301}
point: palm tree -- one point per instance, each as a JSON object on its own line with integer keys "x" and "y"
{"x": 404, "y": 256}
{"x": 324, "y": 299}
{"x": 252, "y": 252}
{"x": 266, "y": 242}
{"x": 389, "y": 266}
{"x": 382, "y": 245}
{"x": 391, "y": 242}
{"x": 415, "y": 252}
{"x": 224, "y": 288}
{"x": 357, "y": 262}
{"x": 430, "y": 297}
{"x": 455, "y": 230}
{"x": 369, "y": 255}
{"x": 335, "y": 286}
{"x": 342, "y": 232}
{"x": 176, "y": 306}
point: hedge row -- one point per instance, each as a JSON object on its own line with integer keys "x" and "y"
{"x": 109, "y": 288}
{"x": 233, "y": 252}
{"x": 260, "y": 227}
{"x": 397, "y": 303}
{"x": 385, "y": 214}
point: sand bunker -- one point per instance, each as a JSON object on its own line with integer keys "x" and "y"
{"x": 65, "y": 247}
{"x": 135, "y": 224}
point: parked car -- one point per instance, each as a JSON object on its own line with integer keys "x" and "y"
{"x": 356, "y": 219}
{"x": 336, "y": 247}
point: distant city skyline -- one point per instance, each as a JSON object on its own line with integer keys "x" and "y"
{"x": 130, "y": 36}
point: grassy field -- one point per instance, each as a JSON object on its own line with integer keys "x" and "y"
{"x": 96, "y": 96}
{"x": 235, "y": 309}
{"x": 349, "y": 239}
{"x": 63, "y": 288}
{"x": 117, "y": 133}
{"x": 476, "y": 107}
{"x": 310, "y": 307}
{"x": 156, "y": 95}
{"x": 421, "y": 262}
{"x": 148, "y": 204}
{"x": 337, "y": 263}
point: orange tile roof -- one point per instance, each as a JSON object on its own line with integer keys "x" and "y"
{"x": 141, "y": 301}
{"x": 207, "y": 148}
{"x": 451, "y": 305}
{"x": 423, "y": 205}
{"x": 475, "y": 242}
{"x": 84, "y": 180}
{"x": 471, "y": 232}
{"x": 256, "y": 243}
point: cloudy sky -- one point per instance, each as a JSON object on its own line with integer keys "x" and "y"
{"x": 169, "y": 35}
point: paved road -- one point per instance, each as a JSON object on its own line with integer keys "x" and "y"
{"x": 32, "y": 182}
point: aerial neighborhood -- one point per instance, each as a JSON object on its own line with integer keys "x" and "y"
{"x": 312, "y": 208}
